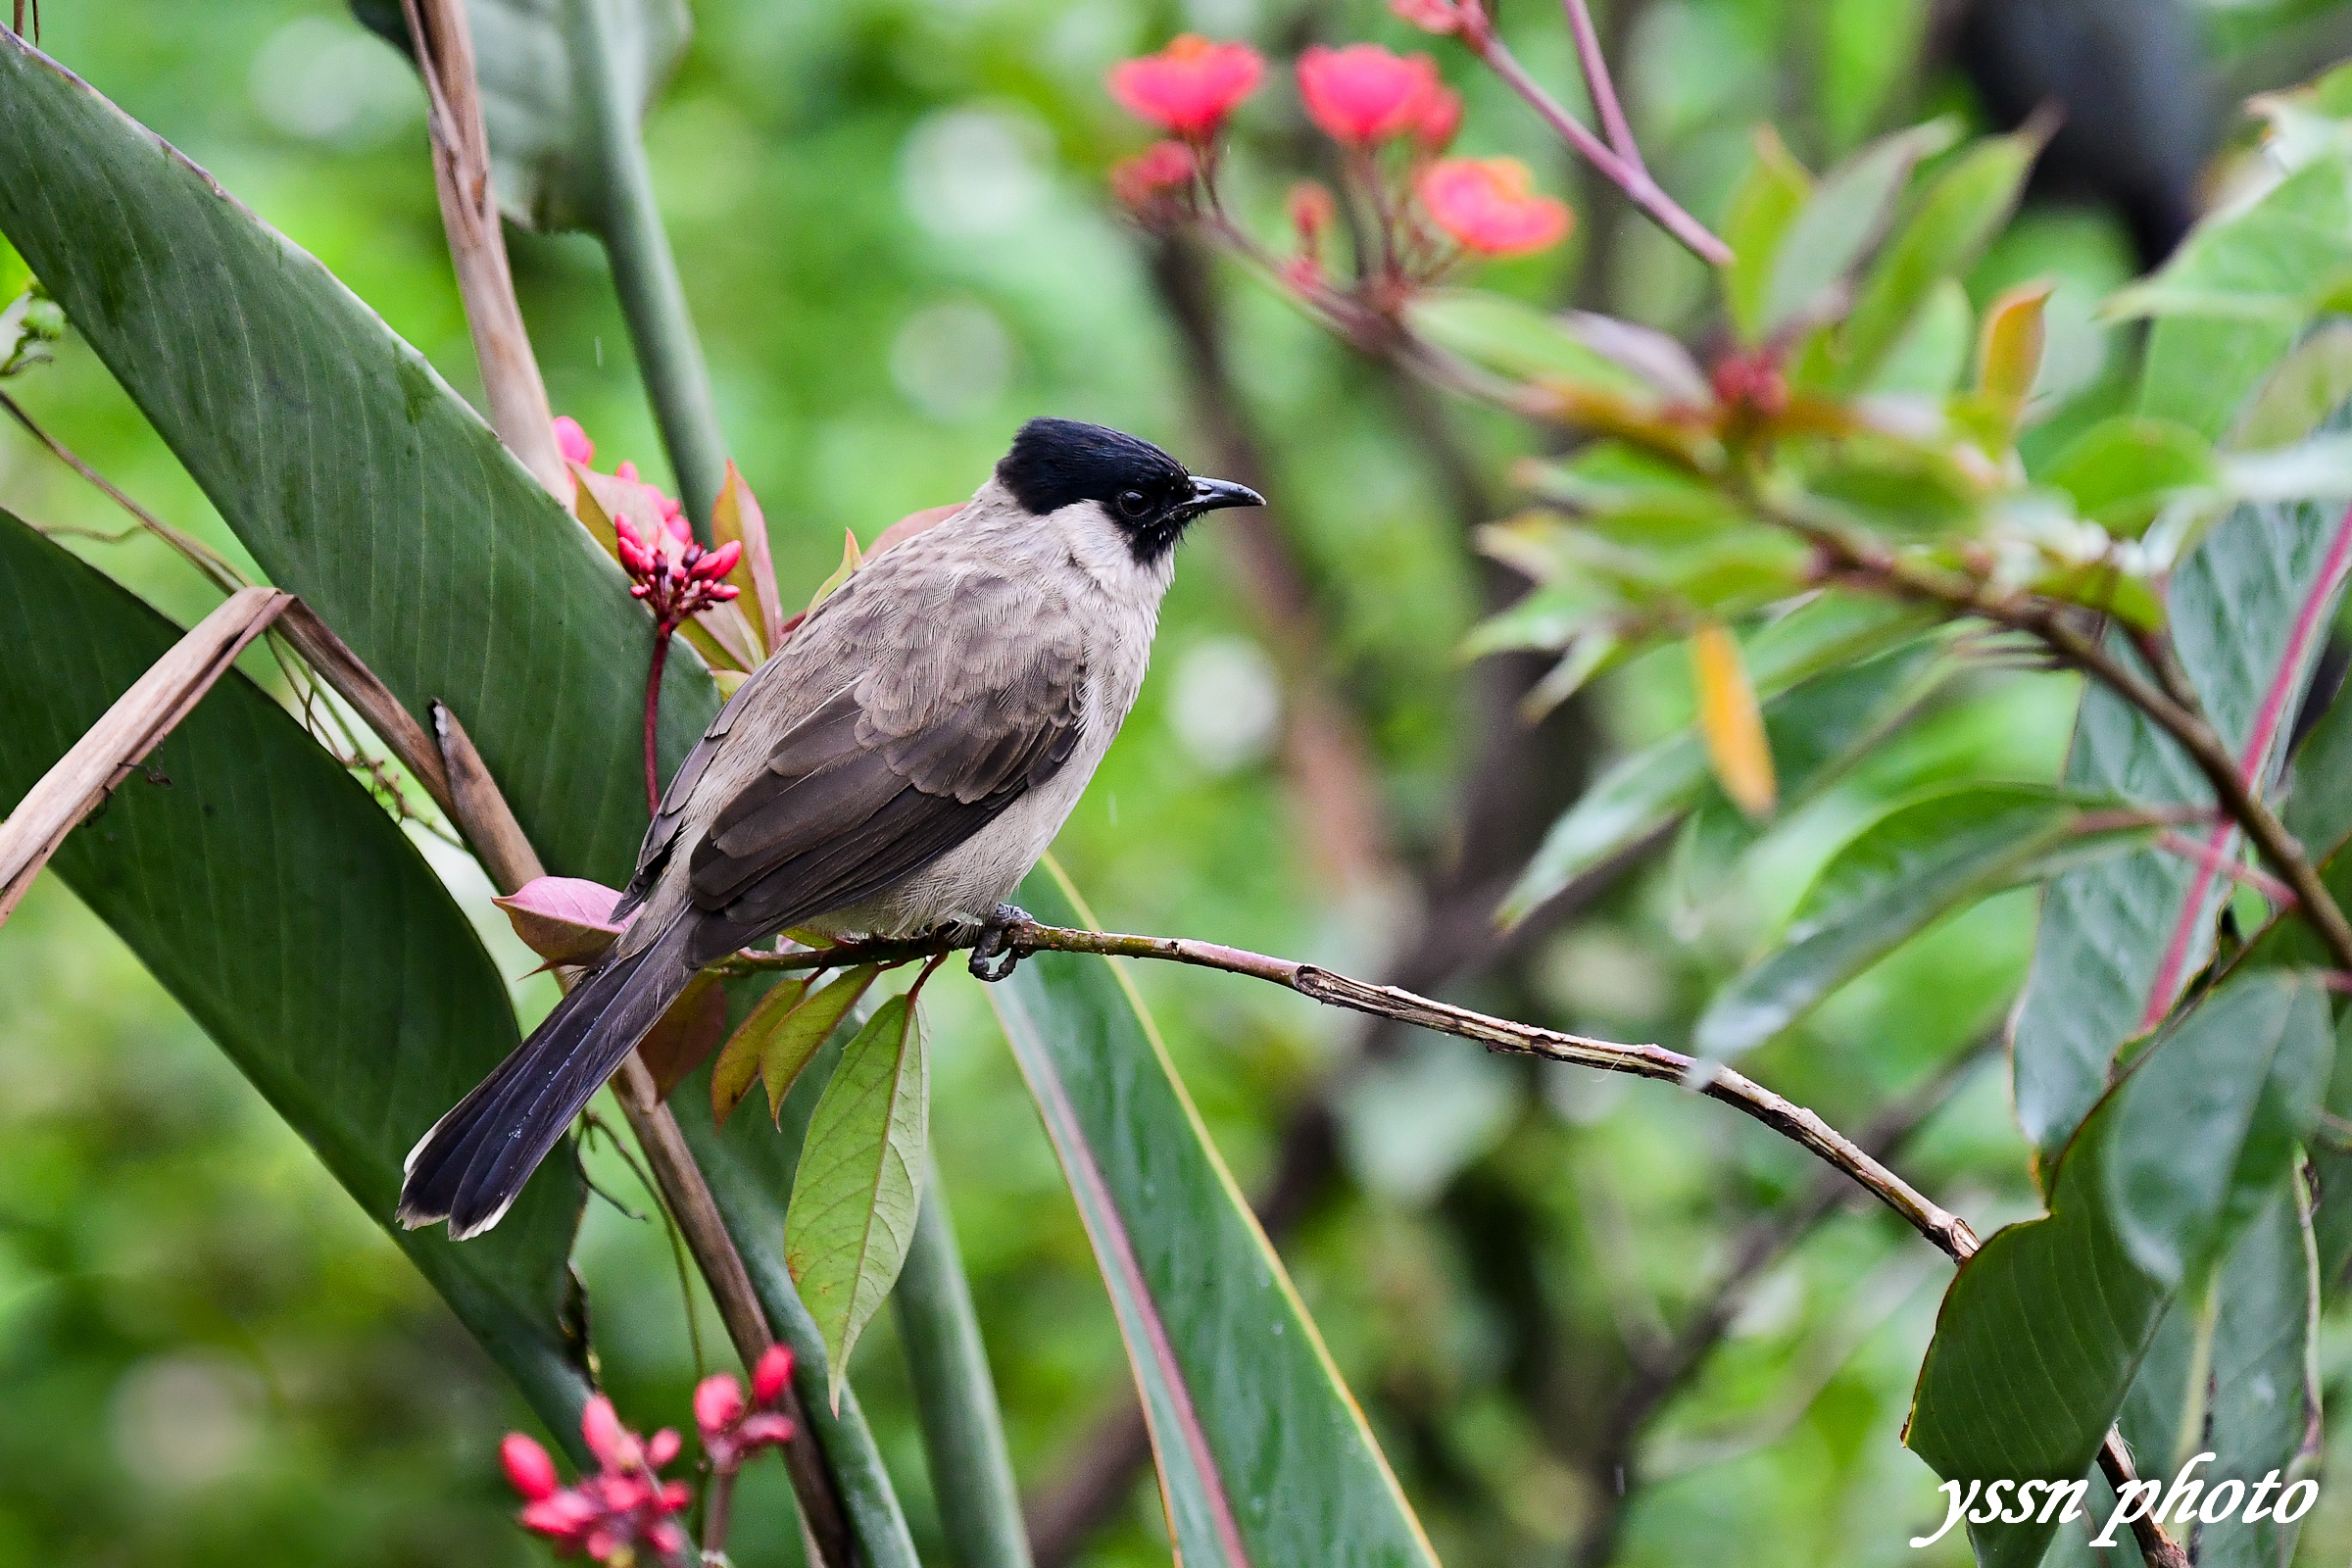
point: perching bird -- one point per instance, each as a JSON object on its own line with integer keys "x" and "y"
{"x": 898, "y": 767}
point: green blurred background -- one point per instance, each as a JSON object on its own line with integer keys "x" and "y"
{"x": 891, "y": 222}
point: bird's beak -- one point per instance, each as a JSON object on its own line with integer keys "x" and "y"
{"x": 1210, "y": 495}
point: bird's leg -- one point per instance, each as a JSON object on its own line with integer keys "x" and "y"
{"x": 994, "y": 943}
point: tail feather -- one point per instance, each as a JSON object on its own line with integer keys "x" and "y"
{"x": 473, "y": 1162}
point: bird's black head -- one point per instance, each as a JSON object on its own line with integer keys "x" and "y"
{"x": 1060, "y": 462}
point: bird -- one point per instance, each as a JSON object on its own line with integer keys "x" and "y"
{"x": 894, "y": 770}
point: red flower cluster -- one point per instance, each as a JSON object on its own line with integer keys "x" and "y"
{"x": 733, "y": 1430}
{"x": 1189, "y": 87}
{"x": 1486, "y": 206}
{"x": 670, "y": 571}
{"x": 1423, "y": 211}
{"x": 1750, "y": 385}
{"x": 607, "y": 1516}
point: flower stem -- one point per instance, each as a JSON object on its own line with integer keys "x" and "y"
{"x": 645, "y": 273}
{"x": 653, "y": 715}
{"x": 718, "y": 1506}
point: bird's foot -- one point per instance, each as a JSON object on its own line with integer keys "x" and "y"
{"x": 993, "y": 955}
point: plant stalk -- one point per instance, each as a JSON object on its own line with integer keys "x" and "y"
{"x": 645, "y": 273}
{"x": 653, "y": 718}
{"x": 954, "y": 1396}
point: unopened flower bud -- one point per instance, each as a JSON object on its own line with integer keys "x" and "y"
{"x": 763, "y": 1429}
{"x": 663, "y": 1448}
{"x": 1312, "y": 210}
{"x": 769, "y": 1377}
{"x": 717, "y": 563}
{"x": 718, "y": 1403}
{"x": 528, "y": 1468}
{"x": 614, "y": 1445}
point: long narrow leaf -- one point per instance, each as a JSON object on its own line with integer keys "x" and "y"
{"x": 1264, "y": 1457}
{"x": 269, "y": 894}
{"x": 358, "y": 480}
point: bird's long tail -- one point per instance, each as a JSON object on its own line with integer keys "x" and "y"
{"x": 475, "y": 1159}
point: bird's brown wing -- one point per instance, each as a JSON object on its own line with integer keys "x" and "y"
{"x": 934, "y": 695}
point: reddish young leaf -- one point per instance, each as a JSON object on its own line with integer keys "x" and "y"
{"x": 564, "y": 919}
{"x": 687, "y": 1033}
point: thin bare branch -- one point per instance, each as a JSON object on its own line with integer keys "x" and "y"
{"x": 120, "y": 741}
{"x": 477, "y": 245}
{"x": 216, "y": 570}
{"x": 337, "y": 665}
{"x": 1595, "y": 63}
{"x": 1792, "y": 1121}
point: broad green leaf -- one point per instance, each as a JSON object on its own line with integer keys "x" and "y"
{"x": 2230, "y": 1372}
{"x": 352, "y": 472}
{"x": 1868, "y": 48}
{"x": 2296, "y": 396}
{"x": 1844, "y": 219}
{"x": 1264, "y": 1457}
{"x": 1765, "y": 203}
{"x": 1964, "y": 207}
{"x": 1647, "y": 792}
{"x": 2043, "y": 1331}
{"x": 1518, "y": 340}
{"x": 750, "y": 1167}
{"x": 861, "y": 1181}
{"x": 271, "y": 895}
{"x": 530, "y": 56}
{"x": 2232, "y": 602}
{"x": 1932, "y": 355}
{"x": 2238, "y": 293}
{"x": 2121, "y": 471}
{"x": 1921, "y": 861}
{"x": 2331, "y": 1164}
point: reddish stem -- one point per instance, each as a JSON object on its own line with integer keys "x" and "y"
{"x": 1596, "y": 80}
{"x": 717, "y": 1505}
{"x": 1627, "y": 174}
{"x": 2215, "y": 851}
{"x": 653, "y": 715}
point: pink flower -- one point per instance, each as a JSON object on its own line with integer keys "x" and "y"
{"x": 771, "y": 1375}
{"x": 1441, "y": 121}
{"x": 572, "y": 441}
{"x": 1362, "y": 94}
{"x": 1486, "y": 206}
{"x": 528, "y": 1468}
{"x": 1188, "y": 89}
{"x": 717, "y": 1404}
{"x": 609, "y": 1515}
{"x": 1430, "y": 16}
{"x": 1160, "y": 170}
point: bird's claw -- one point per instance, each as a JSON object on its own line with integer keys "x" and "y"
{"x": 993, "y": 955}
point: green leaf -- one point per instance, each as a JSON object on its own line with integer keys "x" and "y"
{"x": 750, "y": 1170}
{"x": 803, "y": 1032}
{"x": 2297, "y": 397}
{"x": 1263, "y": 1455}
{"x": 1844, "y": 219}
{"x": 2331, "y": 1164}
{"x": 1518, "y": 340}
{"x": 530, "y": 59}
{"x": 861, "y": 1181}
{"x": 2012, "y": 1387}
{"x": 1921, "y": 861}
{"x": 2233, "y": 603}
{"x": 2236, "y": 294}
{"x": 352, "y": 474}
{"x": 2121, "y": 471}
{"x": 1965, "y": 205}
{"x": 1647, "y": 792}
{"x": 1765, "y": 203}
{"x": 2231, "y": 1372}
{"x": 738, "y": 1066}
{"x": 271, "y": 895}
{"x": 1932, "y": 353}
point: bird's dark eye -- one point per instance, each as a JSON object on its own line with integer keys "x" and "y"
{"x": 1133, "y": 503}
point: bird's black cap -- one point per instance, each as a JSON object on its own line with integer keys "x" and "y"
{"x": 1060, "y": 462}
